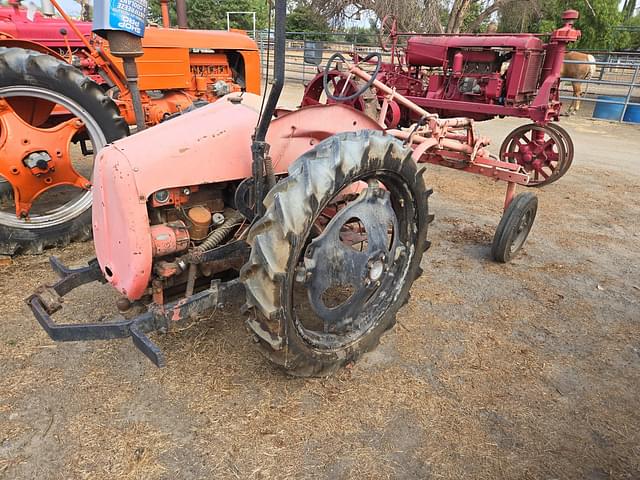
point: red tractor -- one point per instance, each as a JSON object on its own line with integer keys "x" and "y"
{"x": 479, "y": 77}
{"x": 65, "y": 93}
{"x": 315, "y": 220}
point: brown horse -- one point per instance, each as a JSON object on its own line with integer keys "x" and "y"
{"x": 578, "y": 71}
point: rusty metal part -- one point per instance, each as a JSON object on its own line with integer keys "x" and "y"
{"x": 124, "y": 44}
{"x": 191, "y": 279}
{"x": 168, "y": 238}
{"x": 220, "y": 233}
{"x": 224, "y": 264}
{"x": 167, "y": 269}
{"x": 200, "y": 218}
{"x": 49, "y": 299}
{"x": 123, "y": 304}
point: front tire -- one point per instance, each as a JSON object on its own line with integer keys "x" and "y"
{"x": 310, "y": 313}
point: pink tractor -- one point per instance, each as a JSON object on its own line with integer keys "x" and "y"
{"x": 315, "y": 221}
{"x": 476, "y": 76}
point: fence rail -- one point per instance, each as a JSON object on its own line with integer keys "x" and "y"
{"x": 617, "y": 73}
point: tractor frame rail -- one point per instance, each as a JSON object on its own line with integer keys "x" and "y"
{"x": 48, "y": 299}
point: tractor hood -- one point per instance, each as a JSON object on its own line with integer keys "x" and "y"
{"x": 211, "y": 144}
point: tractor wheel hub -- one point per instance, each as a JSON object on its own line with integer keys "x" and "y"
{"x": 37, "y": 160}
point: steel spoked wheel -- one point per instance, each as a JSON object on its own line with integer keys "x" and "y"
{"x": 514, "y": 227}
{"x": 47, "y": 155}
{"x": 53, "y": 120}
{"x": 336, "y": 252}
{"x": 568, "y": 146}
{"x": 540, "y": 150}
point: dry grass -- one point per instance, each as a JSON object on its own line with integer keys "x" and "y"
{"x": 523, "y": 371}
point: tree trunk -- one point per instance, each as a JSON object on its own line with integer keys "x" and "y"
{"x": 456, "y": 17}
{"x": 486, "y": 13}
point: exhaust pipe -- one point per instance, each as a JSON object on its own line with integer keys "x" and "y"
{"x": 164, "y": 7}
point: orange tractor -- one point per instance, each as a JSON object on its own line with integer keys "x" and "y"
{"x": 65, "y": 92}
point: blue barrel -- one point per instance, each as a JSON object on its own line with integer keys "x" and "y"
{"x": 608, "y": 111}
{"x": 632, "y": 115}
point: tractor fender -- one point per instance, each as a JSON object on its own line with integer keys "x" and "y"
{"x": 208, "y": 145}
{"x": 29, "y": 45}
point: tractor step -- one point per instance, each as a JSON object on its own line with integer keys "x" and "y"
{"x": 48, "y": 299}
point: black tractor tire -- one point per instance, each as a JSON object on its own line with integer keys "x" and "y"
{"x": 514, "y": 227}
{"x": 20, "y": 67}
{"x": 279, "y": 238}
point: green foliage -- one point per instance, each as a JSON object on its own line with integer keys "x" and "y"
{"x": 304, "y": 18}
{"x": 362, "y": 36}
{"x": 212, "y": 14}
{"x": 475, "y": 8}
{"x": 634, "y": 36}
{"x": 597, "y": 25}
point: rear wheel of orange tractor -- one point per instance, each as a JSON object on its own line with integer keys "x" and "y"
{"x": 336, "y": 252}
{"x": 53, "y": 120}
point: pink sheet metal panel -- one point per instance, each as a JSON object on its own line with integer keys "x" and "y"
{"x": 209, "y": 145}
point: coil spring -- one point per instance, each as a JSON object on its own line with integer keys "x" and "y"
{"x": 220, "y": 233}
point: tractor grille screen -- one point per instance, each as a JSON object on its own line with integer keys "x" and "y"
{"x": 533, "y": 69}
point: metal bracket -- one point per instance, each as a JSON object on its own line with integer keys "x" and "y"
{"x": 48, "y": 299}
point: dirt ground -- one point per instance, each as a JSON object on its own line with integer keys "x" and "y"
{"x": 525, "y": 370}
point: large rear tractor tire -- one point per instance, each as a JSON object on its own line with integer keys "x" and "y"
{"x": 336, "y": 252}
{"x": 53, "y": 120}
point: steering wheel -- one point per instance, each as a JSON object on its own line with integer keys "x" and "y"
{"x": 388, "y": 32}
{"x": 365, "y": 87}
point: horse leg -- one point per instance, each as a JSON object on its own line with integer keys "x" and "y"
{"x": 577, "y": 92}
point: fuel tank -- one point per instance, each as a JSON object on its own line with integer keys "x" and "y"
{"x": 430, "y": 51}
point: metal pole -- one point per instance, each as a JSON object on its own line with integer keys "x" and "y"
{"x": 628, "y": 97}
{"x": 166, "y": 21}
{"x": 181, "y": 13}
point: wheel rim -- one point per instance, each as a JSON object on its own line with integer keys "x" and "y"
{"x": 359, "y": 252}
{"x": 539, "y": 150}
{"x": 70, "y": 204}
{"x": 524, "y": 225}
{"x": 568, "y": 146}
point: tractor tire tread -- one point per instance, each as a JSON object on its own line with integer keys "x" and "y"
{"x": 290, "y": 207}
{"x": 20, "y": 66}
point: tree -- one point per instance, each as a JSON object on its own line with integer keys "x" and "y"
{"x": 212, "y": 14}
{"x": 305, "y": 18}
{"x": 598, "y": 21}
{"x": 629, "y": 8}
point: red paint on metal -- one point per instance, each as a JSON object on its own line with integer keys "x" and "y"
{"x": 511, "y": 190}
{"x": 168, "y": 238}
